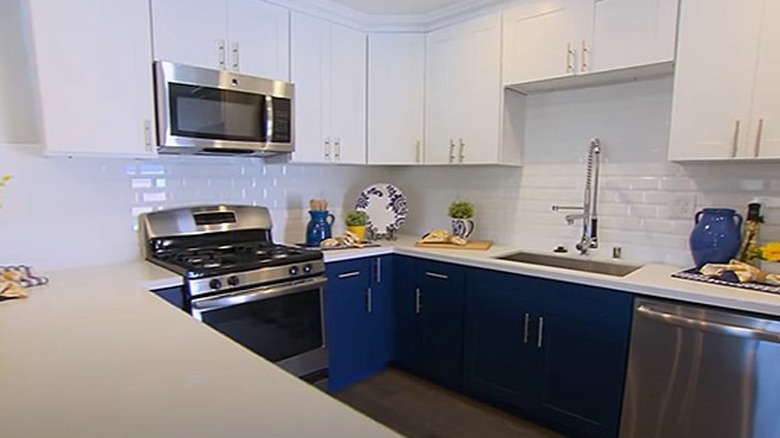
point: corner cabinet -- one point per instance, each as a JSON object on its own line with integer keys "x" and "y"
{"x": 429, "y": 319}
{"x": 358, "y": 319}
{"x": 555, "y": 40}
{"x": 93, "y": 63}
{"x": 551, "y": 351}
{"x": 463, "y": 93}
{"x": 396, "y": 98}
{"x": 246, "y": 36}
{"x": 328, "y": 67}
{"x": 726, "y": 101}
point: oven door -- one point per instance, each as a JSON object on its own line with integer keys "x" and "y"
{"x": 284, "y": 323}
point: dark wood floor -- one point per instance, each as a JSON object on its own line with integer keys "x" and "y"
{"x": 418, "y": 409}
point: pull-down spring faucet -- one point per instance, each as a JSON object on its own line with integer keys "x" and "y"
{"x": 589, "y": 237}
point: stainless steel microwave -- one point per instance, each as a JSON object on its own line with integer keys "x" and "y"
{"x": 203, "y": 111}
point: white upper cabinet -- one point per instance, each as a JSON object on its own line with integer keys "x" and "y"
{"x": 329, "y": 73}
{"x": 546, "y": 40}
{"x": 93, "y": 61}
{"x": 247, "y": 36}
{"x": 542, "y": 39}
{"x": 463, "y": 93}
{"x": 396, "y": 98}
{"x": 725, "y": 102}
{"x": 630, "y": 33}
{"x": 765, "y": 120}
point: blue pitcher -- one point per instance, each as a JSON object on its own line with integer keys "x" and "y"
{"x": 319, "y": 227}
{"x": 716, "y": 237}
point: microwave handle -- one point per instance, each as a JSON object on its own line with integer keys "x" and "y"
{"x": 269, "y": 122}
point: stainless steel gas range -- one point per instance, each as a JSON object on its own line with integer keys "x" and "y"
{"x": 265, "y": 296}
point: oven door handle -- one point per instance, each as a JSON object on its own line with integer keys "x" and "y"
{"x": 242, "y": 297}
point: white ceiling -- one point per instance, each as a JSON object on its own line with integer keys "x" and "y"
{"x": 398, "y": 7}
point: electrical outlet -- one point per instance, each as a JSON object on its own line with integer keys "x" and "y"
{"x": 683, "y": 206}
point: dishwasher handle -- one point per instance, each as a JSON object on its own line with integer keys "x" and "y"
{"x": 708, "y": 326}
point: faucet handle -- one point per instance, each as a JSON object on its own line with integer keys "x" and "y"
{"x": 566, "y": 207}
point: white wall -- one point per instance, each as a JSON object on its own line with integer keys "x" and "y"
{"x": 637, "y": 183}
{"x": 61, "y": 213}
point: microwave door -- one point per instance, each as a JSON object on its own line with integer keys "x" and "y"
{"x": 208, "y": 117}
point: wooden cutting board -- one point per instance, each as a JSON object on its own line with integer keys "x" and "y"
{"x": 472, "y": 244}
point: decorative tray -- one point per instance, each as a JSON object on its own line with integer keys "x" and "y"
{"x": 725, "y": 279}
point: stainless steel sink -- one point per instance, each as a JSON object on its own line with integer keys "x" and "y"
{"x": 615, "y": 269}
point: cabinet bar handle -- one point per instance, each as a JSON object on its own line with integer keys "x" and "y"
{"x": 452, "y": 151}
{"x": 327, "y": 149}
{"x": 735, "y": 141}
{"x": 337, "y": 149}
{"x": 221, "y": 53}
{"x": 235, "y": 56}
{"x": 417, "y": 301}
{"x": 369, "y": 304}
{"x": 436, "y": 275}
{"x": 526, "y": 323}
{"x": 541, "y": 332}
{"x": 460, "y": 153}
{"x": 349, "y": 274}
{"x": 148, "y": 135}
{"x": 584, "y": 55}
{"x": 378, "y": 270}
{"x": 569, "y": 57}
{"x": 759, "y": 133}
{"x": 417, "y": 152}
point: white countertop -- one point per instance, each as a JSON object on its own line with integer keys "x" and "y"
{"x": 93, "y": 354}
{"x": 653, "y": 280}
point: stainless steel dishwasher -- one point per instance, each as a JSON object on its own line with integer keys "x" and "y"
{"x": 701, "y": 372}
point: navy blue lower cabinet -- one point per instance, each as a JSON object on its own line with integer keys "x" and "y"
{"x": 358, "y": 319}
{"x": 408, "y": 326}
{"x": 550, "y": 351}
{"x": 584, "y": 349}
{"x": 429, "y": 299}
{"x": 501, "y": 362}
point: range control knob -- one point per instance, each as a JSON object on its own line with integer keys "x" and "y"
{"x": 293, "y": 270}
{"x": 233, "y": 280}
{"x": 215, "y": 284}
{"x": 307, "y": 268}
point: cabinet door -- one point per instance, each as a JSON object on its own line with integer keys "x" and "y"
{"x": 479, "y": 91}
{"x": 94, "y": 74}
{"x": 441, "y": 311}
{"x": 500, "y": 360}
{"x": 406, "y": 314}
{"x": 381, "y": 313}
{"x": 628, "y": 33}
{"x": 348, "y": 322}
{"x": 463, "y": 91}
{"x": 764, "y": 138}
{"x": 347, "y": 108}
{"x": 584, "y": 353}
{"x": 259, "y": 39}
{"x": 716, "y": 59}
{"x": 310, "y": 72}
{"x": 192, "y": 34}
{"x": 396, "y": 97}
{"x": 541, "y": 40}
{"x": 441, "y": 95}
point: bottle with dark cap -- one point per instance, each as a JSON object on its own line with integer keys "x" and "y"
{"x": 749, "y": 250}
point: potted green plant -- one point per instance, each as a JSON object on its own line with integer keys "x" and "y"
{"x": 356, "y": 221}
{"x": 462, "y": 212}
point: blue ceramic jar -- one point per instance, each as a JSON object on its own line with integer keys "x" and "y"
{"x": 319, "y": 227}
{"x": 716, "y": 237}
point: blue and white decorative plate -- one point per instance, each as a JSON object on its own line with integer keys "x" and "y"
{"x": 385, "y": 205}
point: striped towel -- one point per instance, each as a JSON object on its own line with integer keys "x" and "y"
{"x": 27, "y": 279}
